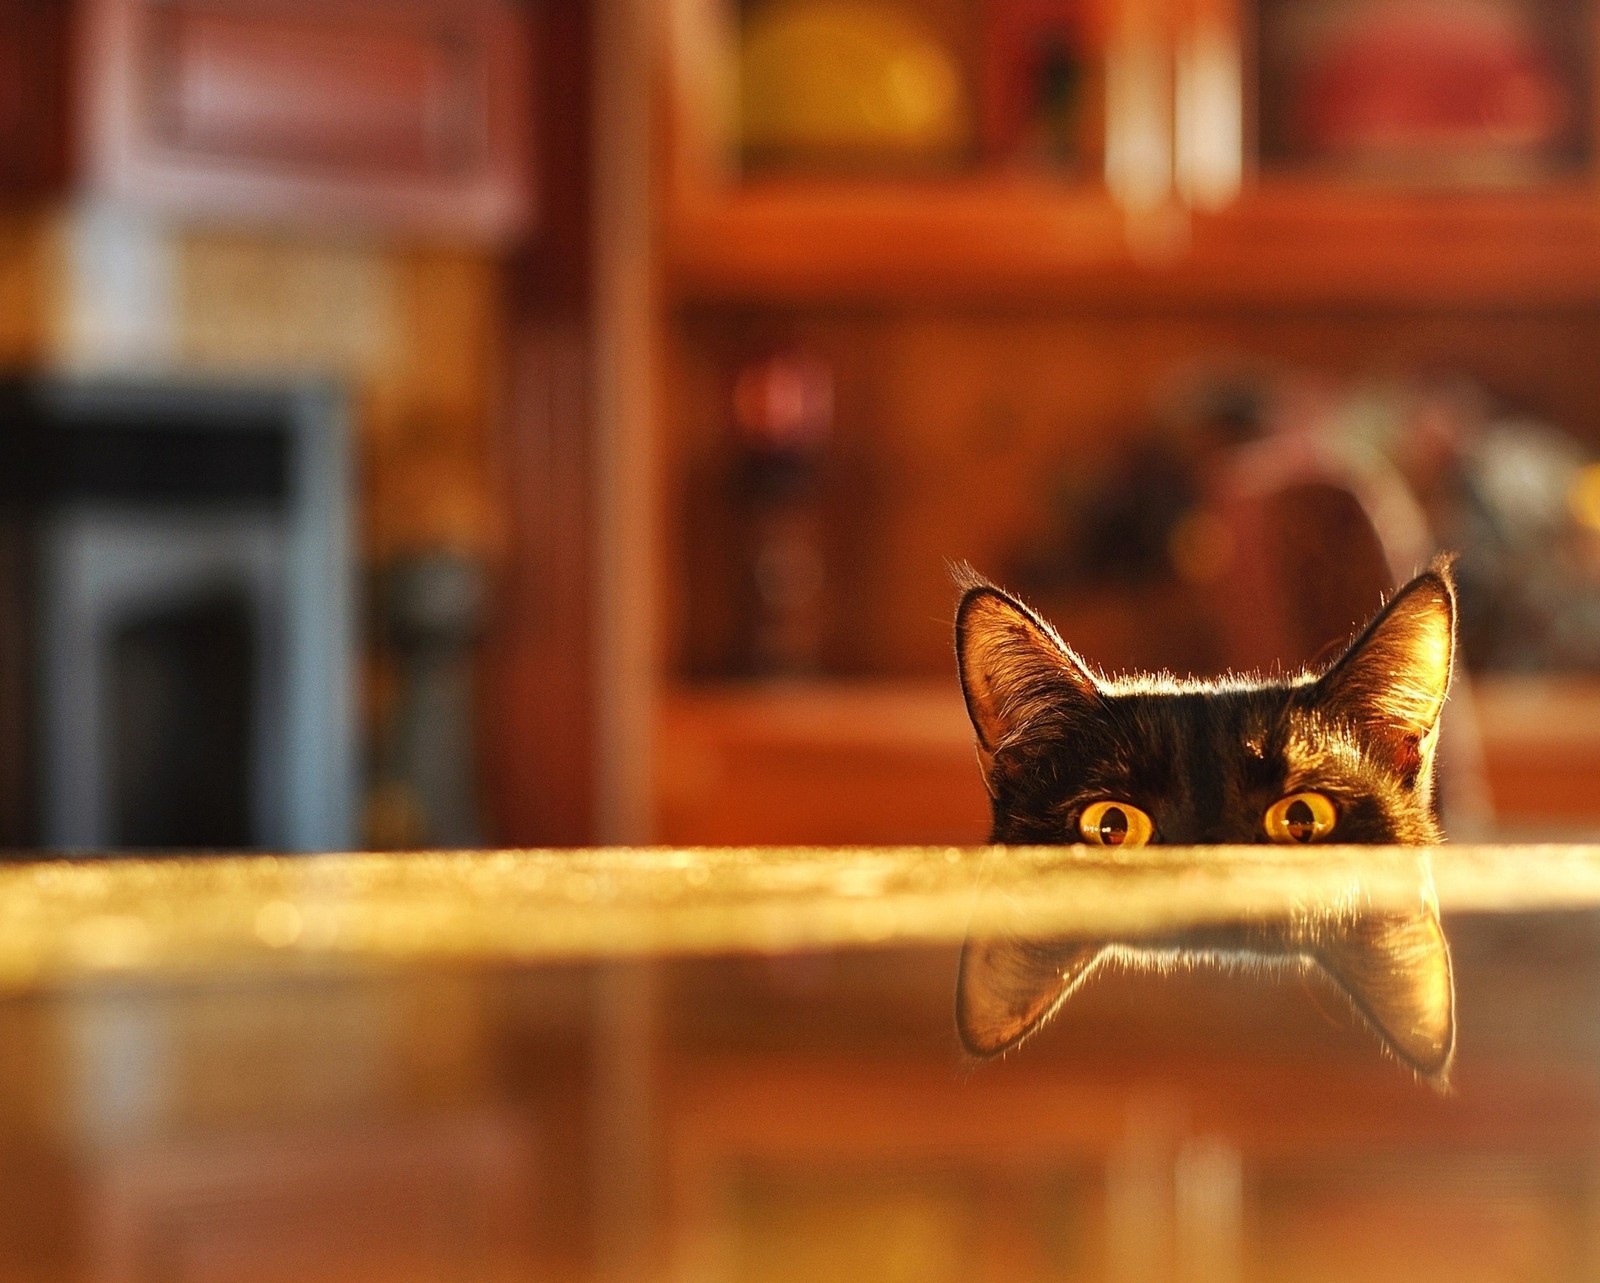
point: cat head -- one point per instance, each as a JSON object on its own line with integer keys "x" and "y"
{"x": 1344, "y": 754}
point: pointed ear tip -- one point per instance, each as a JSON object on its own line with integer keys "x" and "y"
{"x": 1441, "y": 576}
{"x": 972, "y": 592}
{"x": 979, "y": 1040}
{"x": 965, "y": 578}
{"x": 1436, "y": 1073}
{"x": 976, "y": 1046}
{"x": 987, "y": 1042}
{"x": 981, "y": 596}
{"x": 1438, "y": 586}
{"x": 964, "y": 608}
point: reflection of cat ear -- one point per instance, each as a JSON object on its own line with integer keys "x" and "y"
{"x": 1008, "y": 988}
{"x": 1395, "y": 969}
{"x": 1392, "y": 680}
{"x": 1014, "y": 669}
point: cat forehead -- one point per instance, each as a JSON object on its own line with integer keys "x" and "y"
{"x": 1166, "y": 715}
{"x": 1230, "y": 721}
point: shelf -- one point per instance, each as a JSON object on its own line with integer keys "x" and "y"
{"x": 1288, "y": 243}
{"x": 812, "y": 241}
{"x": 998, "y": 336}
{"x": 833, "y": 762}
{"x": 818, "y": 763}
{"x": 1311, "y": 244}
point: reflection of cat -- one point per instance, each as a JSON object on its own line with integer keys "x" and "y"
{"x": 1345, "y": 755}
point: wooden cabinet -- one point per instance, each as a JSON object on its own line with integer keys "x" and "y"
{"x": 787, "y": 1169}
{"x": 994, "y": 329}
{"x": 410, "y": 114}
{"x": 819, "y": 766}
{"x": 1180, "y": 201}
{"x": 893, "y": 761}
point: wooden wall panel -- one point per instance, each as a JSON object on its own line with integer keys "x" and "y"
{"x": 538, "y": 691}
{"x": 957, "y": 426}
{"x": 539, "y": 666}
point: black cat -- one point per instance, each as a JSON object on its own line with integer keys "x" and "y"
{"x": 1342, "y": 755}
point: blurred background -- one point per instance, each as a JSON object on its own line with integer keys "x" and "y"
{"x": 537, "y": 422}
{"x": 508, "y": 423}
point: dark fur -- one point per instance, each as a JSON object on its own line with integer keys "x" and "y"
{"x": 1205, "y": 759}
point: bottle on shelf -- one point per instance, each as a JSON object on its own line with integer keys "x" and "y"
{"x": 782, "y": 425}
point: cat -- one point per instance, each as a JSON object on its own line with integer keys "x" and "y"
{"x": 1341, "y": 755}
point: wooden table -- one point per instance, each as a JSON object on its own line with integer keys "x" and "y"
{"x": 741, "y": 1063}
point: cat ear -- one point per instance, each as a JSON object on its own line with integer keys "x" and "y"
{"x": 1007, "y": 988}
{"x": 1395, "y": 969}
{"x": 1013, "y": 666}
{"x": 1391, "y": 682}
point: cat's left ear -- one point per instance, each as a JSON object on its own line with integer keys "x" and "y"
{"x": 1014, "y": 668}
{"x": 1392, "y": 681}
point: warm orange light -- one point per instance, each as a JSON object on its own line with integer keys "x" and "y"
{"x": 1583, "y": 496}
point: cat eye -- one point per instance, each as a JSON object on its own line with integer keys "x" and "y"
{"x": 1115, "y": 824}
{"x": 1300, "y": 817}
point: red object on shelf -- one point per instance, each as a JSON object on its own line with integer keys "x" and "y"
{"x": 784, "y": 402}
{"x": 1434, "y": 78}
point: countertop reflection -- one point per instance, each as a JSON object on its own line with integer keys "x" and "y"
{"x": 1391, "y": 963}
{"x": 455, "y": 1065}
{"x": 65, "y": 919}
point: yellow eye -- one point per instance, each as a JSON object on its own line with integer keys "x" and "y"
{"x": 1300, "y": 817}
{"x": 1115, "y": 824}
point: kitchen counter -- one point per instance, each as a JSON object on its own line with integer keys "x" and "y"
{"x": 66, "y": 920}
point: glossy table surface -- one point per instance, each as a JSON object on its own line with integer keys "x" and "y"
{"x": 63, "y": 920}
{"x": 1252, "y": 1064}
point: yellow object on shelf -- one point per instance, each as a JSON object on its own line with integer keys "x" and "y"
{"x": 831, "y": 81}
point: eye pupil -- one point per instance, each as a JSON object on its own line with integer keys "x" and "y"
{"x": 1114, "y": 826}
{"x": 1301, "y": 822}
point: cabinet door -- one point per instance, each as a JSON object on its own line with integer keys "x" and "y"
{"x": 405, "y": 114}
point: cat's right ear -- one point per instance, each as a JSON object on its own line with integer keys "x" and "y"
{"x": 1014, "y": 669}
{"x": 1391, "y": 682}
